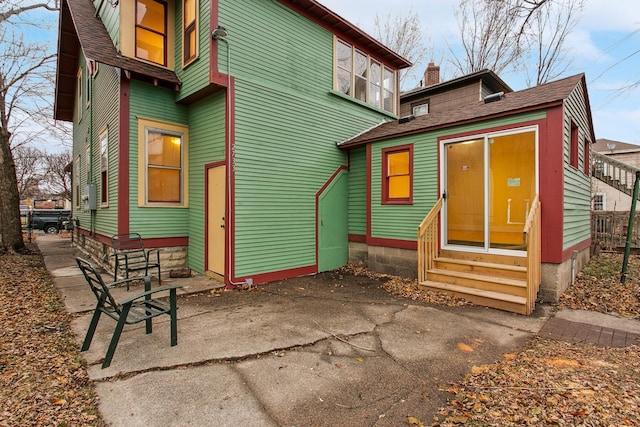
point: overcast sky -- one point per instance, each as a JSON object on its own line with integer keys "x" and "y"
{"x": 605, "y": 45}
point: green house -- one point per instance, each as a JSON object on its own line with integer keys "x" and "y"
{"x": 211, "y": 128}
{"x": 259, "y": 140}
{"x": 489, "y": 200}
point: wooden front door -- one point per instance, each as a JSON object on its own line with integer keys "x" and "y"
{"x": 216, "y": 183}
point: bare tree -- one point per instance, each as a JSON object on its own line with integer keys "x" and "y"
{"x": 403, "y": 35}
{"x": 29, "y": 162}
{"x": 486, "y": 31}
{"x": 545, "y": 34}
{"x": 513, "y": 34}
{"x": 26, "y": 66}
{"x": 57, "y": 180}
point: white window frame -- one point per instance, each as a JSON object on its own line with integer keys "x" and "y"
{"x": 603, "y": 201}
{"x": 418, "y": 107}
{"x": 104, "y": 168}
{"x": 79, "y": 95}
{"x": 371, "y": 85}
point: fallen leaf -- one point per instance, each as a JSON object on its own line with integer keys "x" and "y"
{"x": 415, "y": 422}
{"x": 465, "y": 347}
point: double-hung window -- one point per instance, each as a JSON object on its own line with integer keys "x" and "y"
{"x": 360, "y": 76}
{"x": 104, "y": 168}
{"x": 397, "y": 175}
{"x": 189, "y": 30}
{"x": 151, "y": 31}
{"x": 163, "y": 164}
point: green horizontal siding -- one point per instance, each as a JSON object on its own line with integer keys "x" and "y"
{"x": 577, "y": 185}
{"x": 357, "y": 191}
{"x": 105, "y": 103}
{"x": 285, "y": 152}
{"x": 271, "y": 43}
{"x": 206, "y": 145}
{"x": 195, "y": 75}
{"x": 402, "y": 221}
{"x": 151, "y": 102}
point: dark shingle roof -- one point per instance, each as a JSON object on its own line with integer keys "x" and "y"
{"x": 79, "y": 30}
{"x": 525, "y": 100}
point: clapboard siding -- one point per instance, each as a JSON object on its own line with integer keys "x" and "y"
{"x": 106, "y": 86}
{"x": 195, "y": 75}
{"x": 110, "y": 16}
{"x": 577, "y": 184}
{"x": 151, "y": 102}
{"x": 206, "y": 145}
{"x": 401, "y": 221}
{"x": 285, "y": 152}
{"x": 270, "y": 42}
{"x": 357, "y": 191}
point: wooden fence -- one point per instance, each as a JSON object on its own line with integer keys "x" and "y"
{"x": 609, "y": 230}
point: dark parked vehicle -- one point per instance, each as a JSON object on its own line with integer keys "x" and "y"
{"x": 48, "y": 220}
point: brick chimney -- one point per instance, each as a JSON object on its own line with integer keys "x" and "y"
{"x": 431, "y": 75}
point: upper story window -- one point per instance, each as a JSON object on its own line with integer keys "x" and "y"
{"x": 363, "y": 78}
{"x": 151, "y": 31}
{"x": 79, "y": 95}
{"x": 189, "y": 30}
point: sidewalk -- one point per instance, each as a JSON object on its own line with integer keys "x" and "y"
{"x": 318, "y": 350}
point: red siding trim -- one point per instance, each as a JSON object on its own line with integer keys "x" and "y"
{"x": 392, "y": 243}
{"x": 551, "y": 165}
{"x": 359, "y": 238}
{"x": 281, "y": 275}
{"x": 384, "y": 197}
{"x": 215, "y": 76}
{"x": 566, "y": 254}
{"x": 152, "y": 242}
{"x": 368, "y": 161}
{"x": 122, "y": 226}
{"x": 229, "y": 213}
{"x": 318, "y": 194}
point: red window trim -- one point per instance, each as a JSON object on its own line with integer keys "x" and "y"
{"x": 574, "y": 146}
{"x": 587, "y": 157}
{"x": 385, "y": 199}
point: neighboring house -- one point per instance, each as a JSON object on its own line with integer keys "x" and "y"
{"x": 484, "y": 165}
{"x": 606, "y": 197}
{"x": 438, "y": 96}
{"x": 218, "y": 145}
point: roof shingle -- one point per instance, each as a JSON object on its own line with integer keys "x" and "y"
{"x": 520, "y": 101}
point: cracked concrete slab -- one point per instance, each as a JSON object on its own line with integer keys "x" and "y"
{"x": 321, "y": 350}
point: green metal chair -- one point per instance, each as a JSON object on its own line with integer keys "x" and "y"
{"x": 138, "y": 308}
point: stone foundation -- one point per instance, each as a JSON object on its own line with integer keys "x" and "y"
{"x": 394, "y": 261}
{"x": 171, "y": 258}
{"x": 555, "y": 279}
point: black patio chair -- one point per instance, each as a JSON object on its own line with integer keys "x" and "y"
{"x": 131, "y": 256}
{"x": 138, "y": 308}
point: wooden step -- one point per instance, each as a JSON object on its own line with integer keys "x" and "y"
{"x": 498, "y": 300}
{"x": 485, "y": 257}
{"x": 505, "y": 285}
{"x": 486, "y": 268}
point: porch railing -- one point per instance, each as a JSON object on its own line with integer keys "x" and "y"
{"x": 618, "y": 175}
{"x": 428, "y": 241}
{"x": 531, "y": 236}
